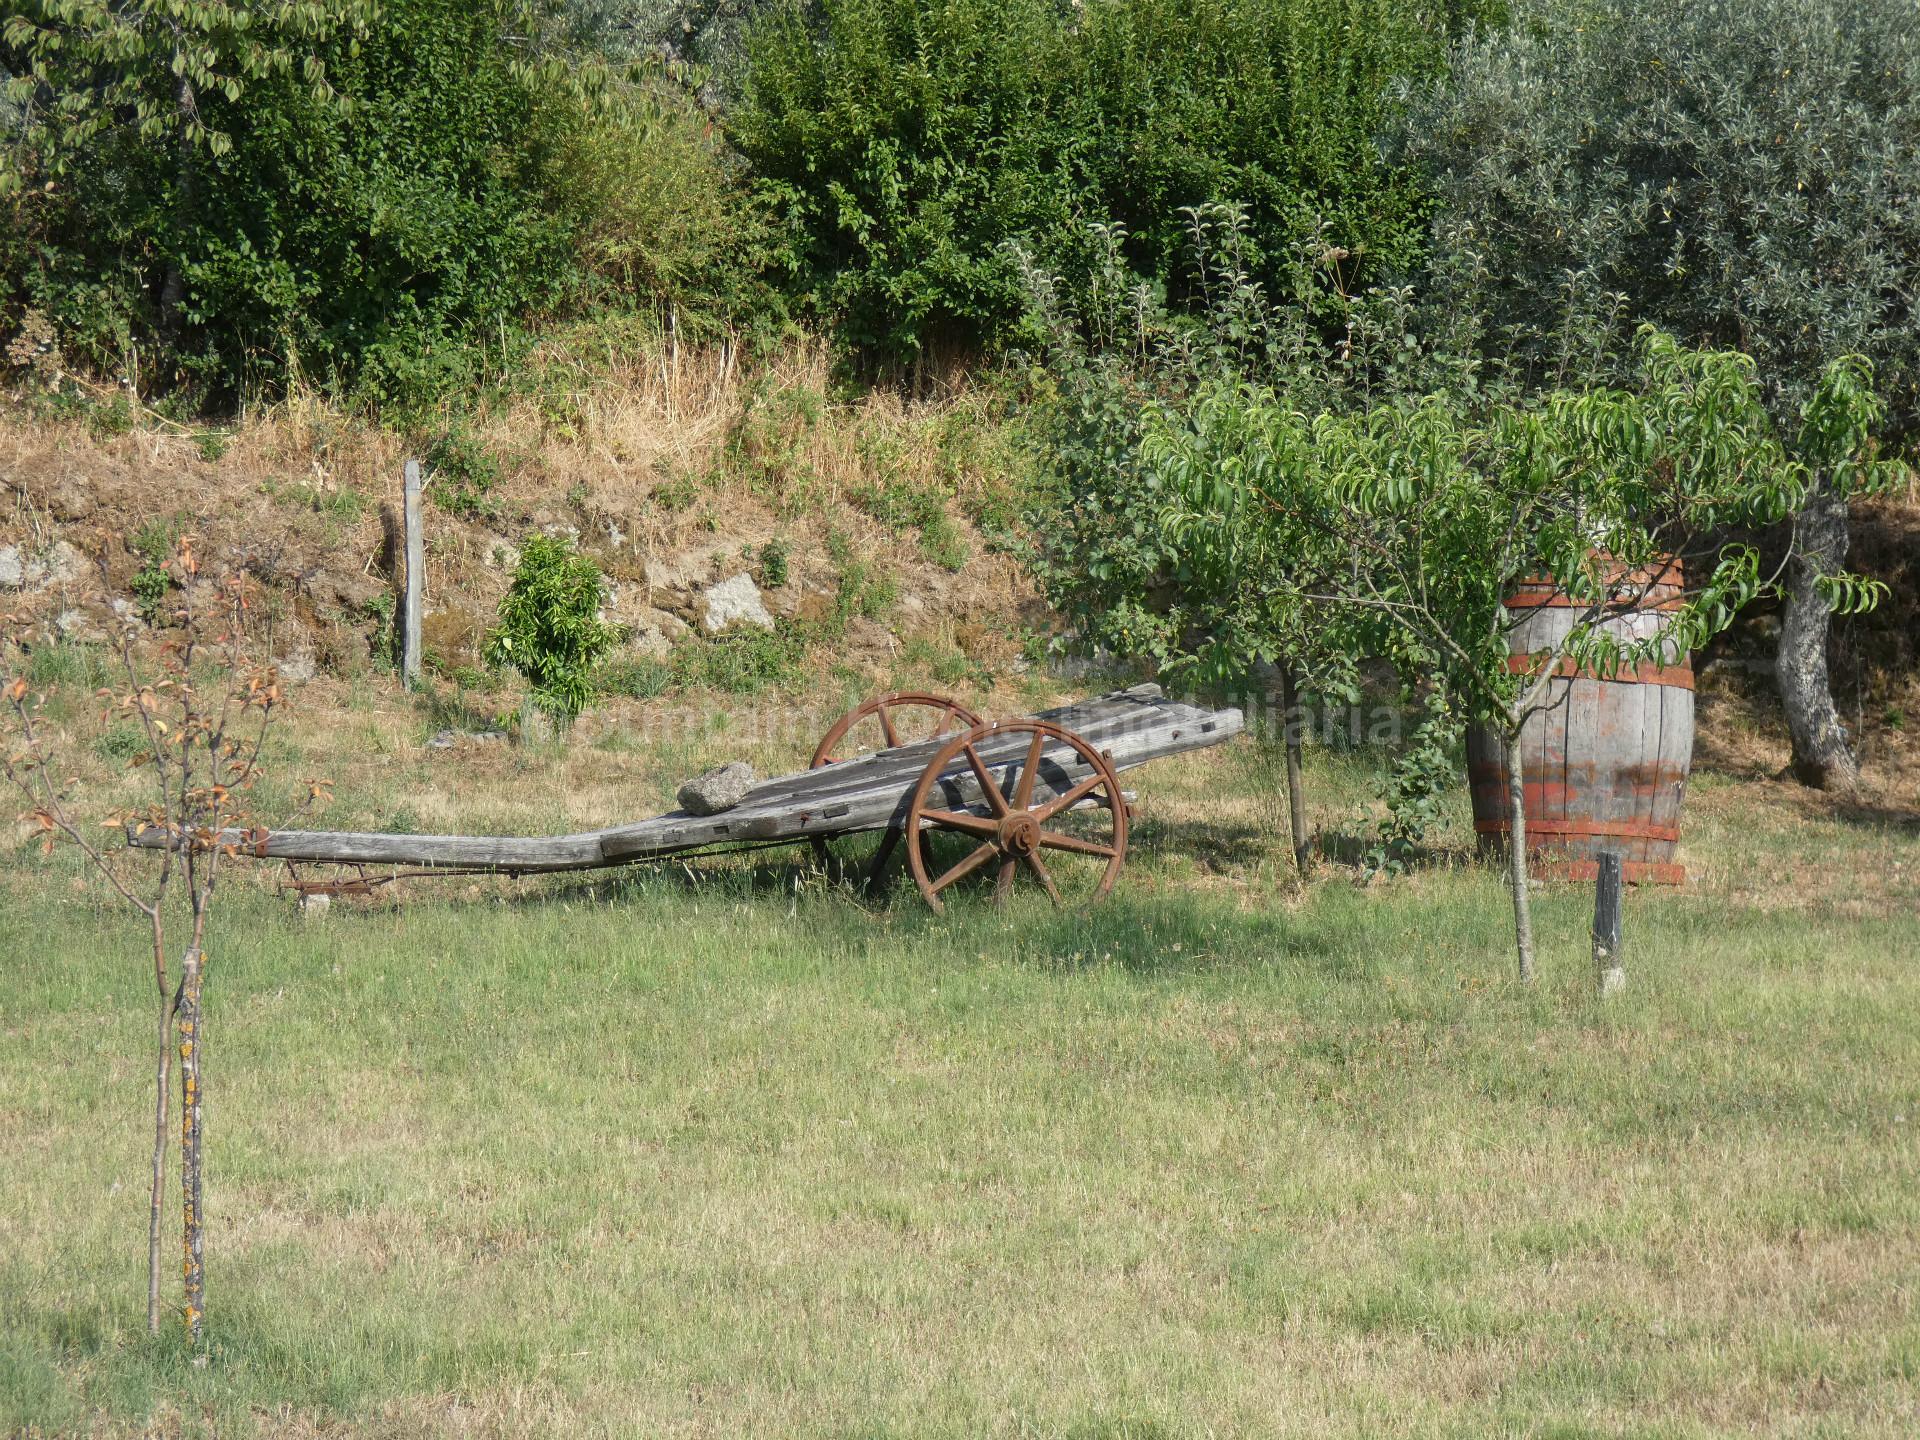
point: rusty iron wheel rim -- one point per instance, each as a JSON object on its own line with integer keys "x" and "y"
{"x": 881, "y": 708}
{"x": 1016, "y": 836}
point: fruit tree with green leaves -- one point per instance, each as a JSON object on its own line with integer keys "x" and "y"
{"x": 1415, "y": 519}
{"x": 550, "y": 628}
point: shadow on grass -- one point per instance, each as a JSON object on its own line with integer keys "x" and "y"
{"x": 1864, "y": 809}
{"x": 1177, "y": 934}
{"x": 1214, "y": 844}
{"x": 1344, "y": 849}
{"x": 1863, "y": 813}
{"x": 1138, "y": 930}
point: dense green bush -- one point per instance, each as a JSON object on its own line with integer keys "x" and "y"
{"x": 905, "y": 141}
{"x": 365, "y": 229}
{"x": 660, "y": 210}
{"x": 1275, "y": 106}
{"x": 383, "y": 196}
{"x": 440, "y": 185}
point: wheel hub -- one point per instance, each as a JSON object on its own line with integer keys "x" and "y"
{"x": 1019, "y": 834}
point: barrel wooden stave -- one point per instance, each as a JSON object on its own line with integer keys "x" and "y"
{"x": 1606, "y": 761}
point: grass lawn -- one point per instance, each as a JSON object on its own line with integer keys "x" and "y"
{"x": 722, "y": 1152}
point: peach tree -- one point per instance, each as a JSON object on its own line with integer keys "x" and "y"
{"x": 1410, "y": 524}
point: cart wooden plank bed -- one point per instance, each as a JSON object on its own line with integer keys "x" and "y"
{"x": 1001, "y": 784}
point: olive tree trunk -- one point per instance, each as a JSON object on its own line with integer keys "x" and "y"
{"x": 1822, "y": 755}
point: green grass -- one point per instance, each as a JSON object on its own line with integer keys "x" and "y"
{"x": 723, "y": 1152}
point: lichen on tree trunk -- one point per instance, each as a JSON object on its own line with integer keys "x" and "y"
{"x": 1822, "y": 753}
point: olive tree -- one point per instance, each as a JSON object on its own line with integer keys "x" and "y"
{"x": 1739, "y": 172}
{"x": 1419, "y": 517}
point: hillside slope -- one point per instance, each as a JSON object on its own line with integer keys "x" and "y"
{"x": 871, "y": 527}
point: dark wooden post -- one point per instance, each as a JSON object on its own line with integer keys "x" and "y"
{"x": 1296, "y": 792}
{"x": 416, "y": 577}
{"x": 1609, "y": 968}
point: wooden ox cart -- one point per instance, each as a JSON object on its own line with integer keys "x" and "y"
{"x": 1017, "y": 795}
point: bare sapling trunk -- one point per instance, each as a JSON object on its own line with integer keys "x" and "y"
{"x": 187, "y": 1016}
{"x": 199, "y": 766}
{"x": 162, "y": 1094}
{"x": 1296, "y": 792}
{"x": 1822, "y": 756}
{"x": 1517, "y": 853}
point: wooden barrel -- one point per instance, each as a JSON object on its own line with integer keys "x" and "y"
{"x": 1606, "y": 760}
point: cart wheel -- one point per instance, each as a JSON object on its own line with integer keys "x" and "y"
{"x": 881, "y": 718}
{"x": 1021, "y": 829}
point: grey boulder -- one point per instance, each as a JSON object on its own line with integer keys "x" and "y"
{"x": 720, "y": 788}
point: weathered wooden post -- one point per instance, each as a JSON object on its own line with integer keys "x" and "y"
{"x": 1296, "y": 786}
{"x": 416, "y": 578}
{"x": 1609, "y": 969}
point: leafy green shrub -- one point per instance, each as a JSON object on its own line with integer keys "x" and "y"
{"x": 775, "y": 562}
{"x": 661, "y": 211}
{"x": 1426, "y": 769}
{"x": 1272, "y": 105}
{"x": 903, "y": 141}
{"x": 151, "y": 584}
{"x": 549, "y": 629}
{"x": 152, "y": 544}
{"x": 355, "y": 193}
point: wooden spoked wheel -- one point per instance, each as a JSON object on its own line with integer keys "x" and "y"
{"x": 893, "y": 718}
{"x": 900, "y": 717}
{"x": 1032, "y": 802}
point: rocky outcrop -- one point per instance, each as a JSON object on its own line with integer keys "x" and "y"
{"x": 734, "y": 601}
